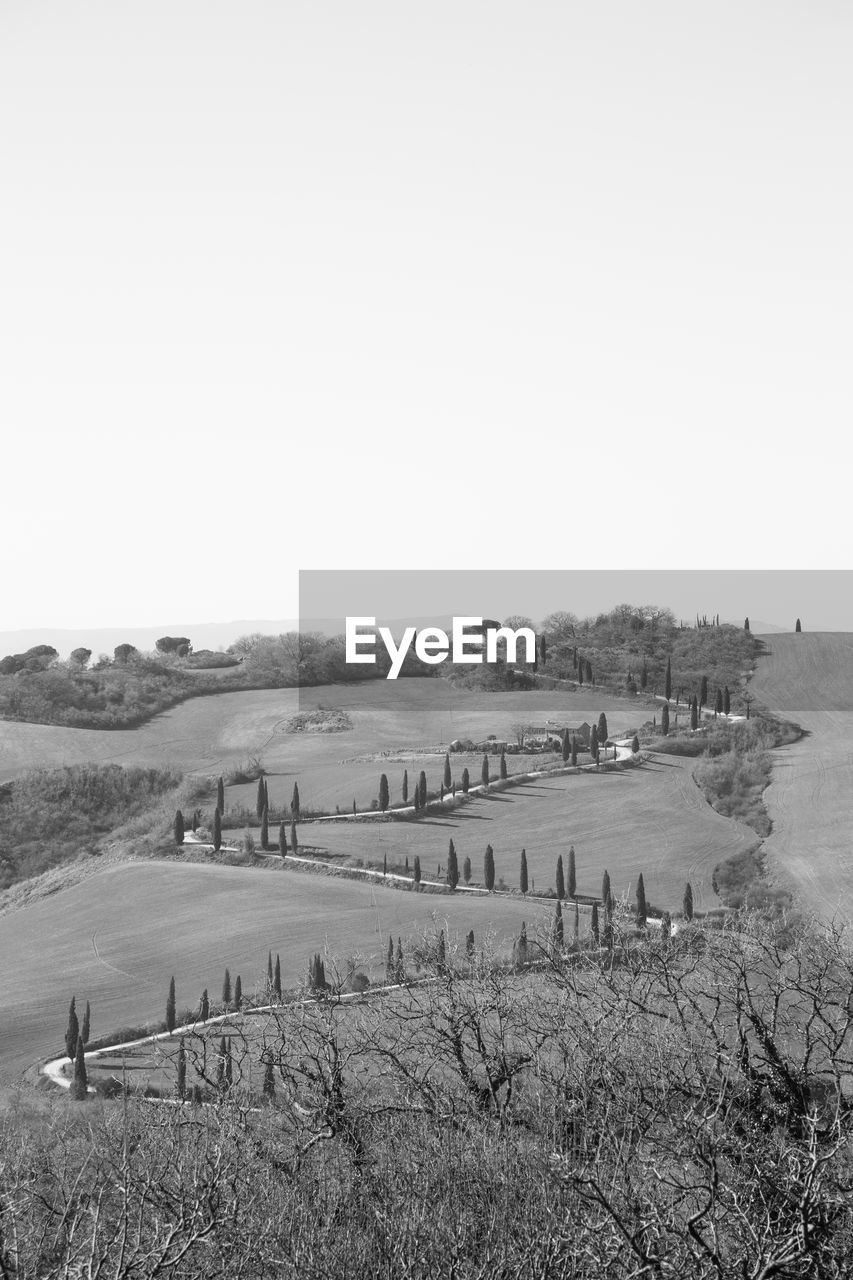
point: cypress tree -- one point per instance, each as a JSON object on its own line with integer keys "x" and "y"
{"x": 664, "y": 719}
{"x": 573, "y": 879}
{"x": 590, "y": 674}
{"x": 384, "y": 864}
{"x": 484, "y": 773}
{"x": 72, "y": 1033}
{"x": 576, "y": 924}
{"x": 694, "y": 714}
{"x": 642, "y": 909}
{"x": 666, "y": 927}
{"x": 267, "y": 803}
{"x": 265, "y": 829}
{"x": 294, "y": 803}
{"x": 182, "y": 1069}
{"x": 217, "y": 831}
{"x": 703, "y": 692}
{"x": 580, "y": 671}
{"x": 276, "y": 981}
{"x": 170, "y": 1006}
{"x": 260, "y": 799}
{"x": 607, "y": 932}
{"x": 603, "y": 735}
{"x": 220, "y": 1065}
{"x": 448, "y": 777}
{"x": 727, "y": 700}
{"x": 238, "y": 993}
{"x": 389, "y": 961}
{"x": 593, "y": 925}
{"x": 80, "y": 1088}
{"x": 422, "y": 788}
{"x": 593, "y": 744}
{"x": 718, "y": 702}
{"x": 229, "y": 1071}
{"x": 558, "y": 926}
{"x": 282, "y": 840}
{"x": 269, "y": 971}
{"x": 605, "y": 888}
{"x": 87, "y": 1019}
{"x": 452, "y": 866}
{"x": 574, "y": 751}
{"x": 399, "y": 966}
{"x": 503, "y": 763}
{"x": 269, "y": 1080}
{"x": 668, "y": 679}
{"x": 522, "y": 878}
{"x": 383, "y": 792}
{"x": 799, "y": 626}
{"x": 220, "y": 796}
{"x": 204, "y": 1007}
{"x": 405, "y": 786}
{"x": 196, "y": 820}
{"x": 466, "y": 781}
{"x": 489, "y": 868}
{"x": 746, "y": 624}
{"x": 417, "y": 799}
{"x": 635, "y": 744}
{"x": 294, "y": 843}
{"x": 466, "y": 870}
{"x": 226, "y": 989}
{"x": 470, "y": 945}
{"x": 416, "y": 871}
{"x": 687, "y": 902}
{"x": 561, "y": 883}
{"x": 521, "y": 946}
{"x": 179, "y": 827}
{"x": 565, "y": 747}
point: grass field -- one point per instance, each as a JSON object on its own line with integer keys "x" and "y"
{"x": 808, "y": 678}
{"x": 651, "y": 819}
{"x": 116, "y": 939}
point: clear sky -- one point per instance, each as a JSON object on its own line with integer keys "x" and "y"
{"x": 338, "y": 285}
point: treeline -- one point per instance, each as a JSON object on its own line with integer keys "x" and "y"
{"x": 51, "y": 816}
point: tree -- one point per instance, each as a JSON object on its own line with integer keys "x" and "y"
{"x": 574, "y": 751}
{"x": 170, "y": 1006}
{"x": 558, "y": 926}
{"x": 718, "y": 702}
{"x": 576, "y": 924}
{"x": 282, "y": 840}
{"x": 261, "y": 798}
{"x": 276, "y": 981}
{"x": 204, "y": 1007}
{"x": 687, "y": 901}
{"x": 484, "y": 773}
{"x": 605, "y": 888}
{"x": 522, "y": 877}
{"x": 452, "y": 866}
{"x": 294, "y": 843}
{"x": 171, "y": 644}
{"x": 521, "y": 949}
{"x": 389, "y": 960}
{"x": 703, "y": 692}
{"x": 573, "y": 882}
{"x": 87, "y": 1020}
{"x": 265, "y": 829}
{"x": 217, "y": 830}
{"x": 179, "y": 828}
{"x": 417, "y": 800}
{"x": 123, "y": 653}
{"x": 489, "y": 868}
{"x": 72, "y": 1033}
{"x": 448, "y": 776}
{"x": 635, "y": 744}
{"x": 466, "y": 781}
{"x": 746, "y": 624}
{"x": 694, "y": 714}
{"x": 666, "y": 923}
{"x": 269, "y": 971}
{"x": 593, "y": 744}
{"x": 668, "y": 679}
{"x": 603, "y": 735}
{"x": 405, "y": 786}
{"x": 466, "y": 870}
{"x": 80, "y": 657}
{"x": 561, "y": 883}
{"x": 226, "y": 989}
{"x": 238, "y": 992}
{"x": 664, "y": 719}
{"x": 565, "y": 747}
{"x": 220, "y": 796}
{"x": 422, "y": 789}
{"x": 294, "y": 804}
{"x": 399, "y": 965}
{"x": 727, "y": 700}
{"x": 593, "y": 925}
{"x": 642, "y": 909}
{"x": 383, "y": 792}
{"x": 470, "y": 945}
{"x": 799, "y": 626}
{"x": 80, "y": 1087}
{"x": 182, "y": 1069}
{"x": 503, "y": 763}
{"x": 416, "y": 870}
{"x": 384, "y": 864}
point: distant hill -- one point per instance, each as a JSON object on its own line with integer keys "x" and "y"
{"x": 204, "y": 635}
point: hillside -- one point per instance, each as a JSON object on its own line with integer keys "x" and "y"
{"x": 808, "y": 678}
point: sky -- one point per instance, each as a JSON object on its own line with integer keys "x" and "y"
{"x": 290, "y": 286}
